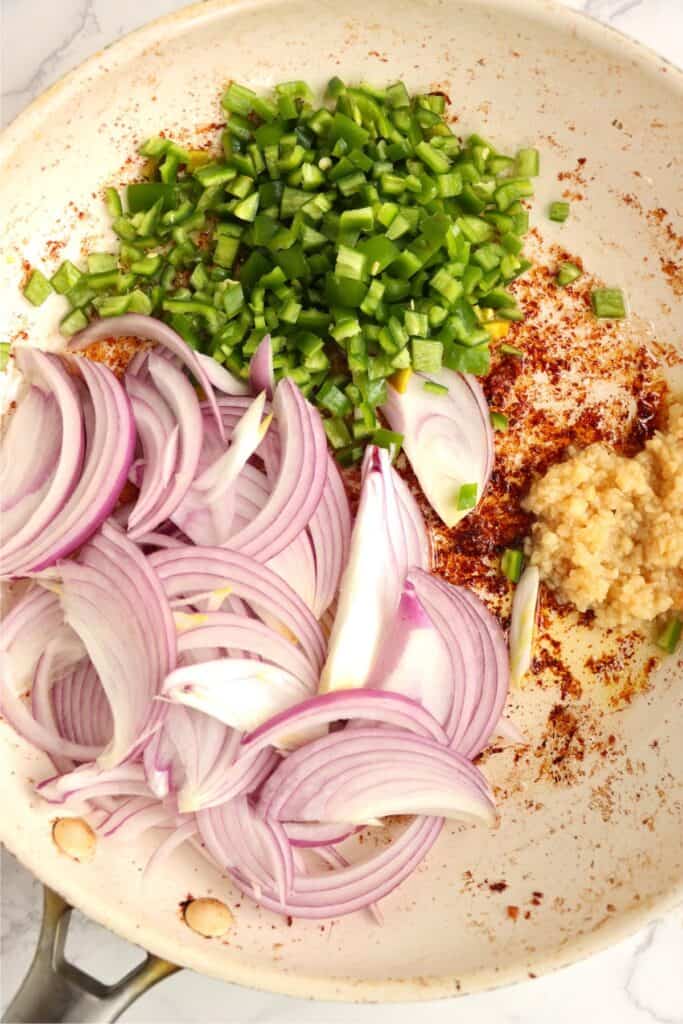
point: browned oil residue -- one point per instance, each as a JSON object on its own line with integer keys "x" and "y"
{"x": 115, "y": 354}
{"x": 670, "y": 245}
{"x": 563, "y": 746}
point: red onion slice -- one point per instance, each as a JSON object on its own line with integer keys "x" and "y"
{"x": 135, "y": 816}
{"x": 79, "y": 691}
{"x": 411, "y": 643}
{"x": 239, "y": 692}
{"x": 312, "y": 834}
{"x": 110, "y": 439}
{"x": 90, "y": 782}
{"x": 220, "y": 378}
{"x": 335, "y": 893}
{"x": 523, "y": 623}
{"x": 176, "y": 681}
{"x": 258, "y": 849}
{"x": 190, "y": 757}
{"x": 297, "y": 565}
{"x": 225, "y": 573}
{"x": 35, "y": 427}
{"x": 205, "y": 513}
{"x": 163, "y": 401}
{"x": 447, "y": 438}
{"x": 108, "y": 595}
{"x": 361, "y": 774}
{"x": 475, "y": 387}
{"x": 180, "y": 835}
{"x": 78, "y": 737}
{"x": 147, "y": 328}
{"x": 158, "y": 438}
{"x": 476, "y": 644}
{"x": 330, "y": 534}
{"x": 313, "y": 562}
{"x": 54, "y": 484}
{"x": 366, "y": 705}
{"x": 301, "y": 479}
{"x": 239, "y": 635}
{"x": 261, "y": 375}
{"x": 33, "y": 629}
{"x": 384, "y": 545}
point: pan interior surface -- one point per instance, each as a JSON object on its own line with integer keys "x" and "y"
{"x": 589, "y": 842}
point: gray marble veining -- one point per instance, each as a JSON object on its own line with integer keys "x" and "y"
{"x": 639, "y": 981}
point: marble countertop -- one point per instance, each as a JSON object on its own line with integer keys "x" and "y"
{"x": 639, "y": 981}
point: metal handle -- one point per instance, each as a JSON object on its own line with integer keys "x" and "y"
{"x": 55, "y": 991}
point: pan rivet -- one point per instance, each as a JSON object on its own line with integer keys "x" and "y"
{"x": 208, "y": 917}
{"x": 75, "y": 838}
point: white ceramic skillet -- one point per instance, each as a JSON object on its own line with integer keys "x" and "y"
{"x": 582, "y": 857}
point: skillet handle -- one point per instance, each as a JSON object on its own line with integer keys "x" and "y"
{"x": 56, "y": 991}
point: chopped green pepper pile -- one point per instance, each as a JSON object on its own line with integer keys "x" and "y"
{"x": 363, "y": 235}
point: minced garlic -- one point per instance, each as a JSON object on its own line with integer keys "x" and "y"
{"x": 609, "y": 529}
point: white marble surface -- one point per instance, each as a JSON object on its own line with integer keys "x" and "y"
{"x": 639, "y": 981}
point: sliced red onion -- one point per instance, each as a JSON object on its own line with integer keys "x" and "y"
{"x": 478, "y": 652}
{"x": 161, "y": 540}
{"x": 81, "y": 711}
{"x": 231, "y": 409}
{"x": 72, "y": 705}
{"x": 413, "y": 524}
{"x": 261, "y": 375}
{"x": 475, "y": 387}
{"x": 220, "y": 378}
{"x": 245, "y": 777}
{"x": 297, "y": 565}
{"x": 313, "y": 563}
{"x": 33, "y": 638}
{"x": 523, "y": 623}
{"x": 35, "y": 427}
{"x": 135, "y": 816}
{"x": 169, "y": 423}
{"x": 333, "y": 894}
{"x": 336, "y": 860}
{"x": 35, "y": 492}
{"x": 147, "y": 328}
{"x": 114, "y": 602}
{"x": 239, "y": 692}
{"x": 205, "y": 513}
{"x": 411, "y": 643}
{"x": 366, "y": 705}
{"x": 89, "y": 782}
{"x": 258, "y": 848}
{"x": 247, "y": 435}
{"x": 225, "y": 573}
{"x": 384, "y": 545}
{"x": 509, "y": 734}
{"x": 305, "y": 721}
{"x": 110, "y": 438}
{"x": 156, "y": 702}
{"x": 330, "y": 534}
{"x": 180, "y": 835}
{"x": 238, "y": 635}
{"x": 361, "y": 774}
{"x": 447, "y": 438}
{"x": 313, "y": 834}
{"x": 153, "y": 472}
{"x": 301, "y": 479}
{"x": 185, "y": 752}
{"x": 193, "y": 756}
